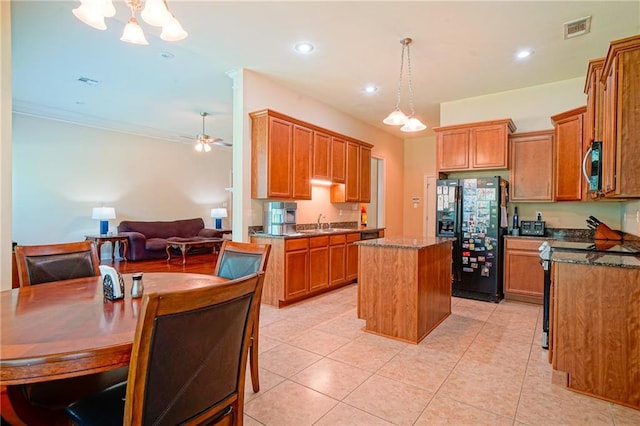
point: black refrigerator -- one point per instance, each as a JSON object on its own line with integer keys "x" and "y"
{"x": 474, "y": 212}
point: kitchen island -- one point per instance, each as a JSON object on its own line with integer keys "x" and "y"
{"x": 595, "y": 312}
{"x": 404, "y": 285}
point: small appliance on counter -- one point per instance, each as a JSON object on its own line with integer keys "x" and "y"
{"x": 279, "y": 218}
{"x": 532, "y": 228}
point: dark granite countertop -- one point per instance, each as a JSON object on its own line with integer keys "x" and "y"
{"x": 596, "y": 258}
{"x": 305, "y": 233}
{"x": 403, "y": 242}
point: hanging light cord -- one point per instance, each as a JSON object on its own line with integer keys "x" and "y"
{"x": 407, "y": 42}
{"x": 400, "y": 78}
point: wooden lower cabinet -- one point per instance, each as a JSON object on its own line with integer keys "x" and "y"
{"x": 352, "y": 256}
{"x": 296, "y": 261}
{"x": 594, "y": 317}
{"x": 299, "y": 268}
{"x": 318, "y": 261}
{"x": 523, "y": 274}
{"x": 337, "y": 261}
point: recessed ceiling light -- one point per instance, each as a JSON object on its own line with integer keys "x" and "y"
{"x": 370, "y": 88}
{"x": 524, "y": 53}
{"x": 304, "y": 47}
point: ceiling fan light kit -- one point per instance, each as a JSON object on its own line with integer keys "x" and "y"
{"x": 154, "y": 12}
{"x": 397, "y": 117}
{"x": 204, "y": 141}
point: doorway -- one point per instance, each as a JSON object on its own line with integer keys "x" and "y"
{"x": 375, "y": 208}
{"x": 429, "y": 195}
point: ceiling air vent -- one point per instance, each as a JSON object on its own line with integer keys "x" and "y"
{"x": 577, "y": 28}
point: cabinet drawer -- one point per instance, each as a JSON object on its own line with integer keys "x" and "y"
{"x": 523, "y": 244}
{"x": 296, "y": 244}
{"x": 353, "y": 237}
{"x": 319, "y": 241}
{"x": 338, "y": 239}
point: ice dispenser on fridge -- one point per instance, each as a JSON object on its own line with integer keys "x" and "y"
{"x": 279, "y": 218}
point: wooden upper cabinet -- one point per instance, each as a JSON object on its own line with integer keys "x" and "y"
{"x": 453, "y": 149}
{"x": 365, "y": 174}
{"x": 474, "y": 146}
{"x": 621, "y": 119}
{"x": 489, "y": 147}
{"x": 287, "y": 153}
{"x": 271, "y": 156}
{"x": 357, "y": 186}
{"x": 594, "y": 89}
{"x": 338, "y": 160}
{"x": 302, "y": 145}
{"x": 531, "y": 166}
{"x": 569, "y": 181}
{"x": 321, "y": 156}
{"x": 352, "y": 191}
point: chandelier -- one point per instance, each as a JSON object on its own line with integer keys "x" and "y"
{"x": 154, "y": 12}
{"x": 397, "y": 117}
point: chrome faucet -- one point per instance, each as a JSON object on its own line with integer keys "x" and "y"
{"x": 320, "y": 216}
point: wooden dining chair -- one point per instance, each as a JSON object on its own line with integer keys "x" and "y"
{"x": 56, "y": 262}
{"x": 38, "y": 264}
{"x": 188, "y": 361}
{"x": 236, "y": 259}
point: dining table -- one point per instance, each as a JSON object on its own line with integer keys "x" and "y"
{"x": 68, "y": 328}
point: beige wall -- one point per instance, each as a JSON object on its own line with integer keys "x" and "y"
{"x": 530, "y": 109}
{"x": 260, "y": 93}
{"x": 419, "y": 161}
{"x": 5, "y": 145}
{"x": 61, "y": 171}
{"x": 631, "y": 218}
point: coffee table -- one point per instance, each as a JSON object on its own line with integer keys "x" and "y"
{"x": 185, "y": 245}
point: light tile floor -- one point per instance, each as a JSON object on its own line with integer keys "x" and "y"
{"x": 482, "y": 365}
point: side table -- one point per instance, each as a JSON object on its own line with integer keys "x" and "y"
{"x": 99, "y": 240}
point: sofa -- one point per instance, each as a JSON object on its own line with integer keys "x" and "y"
{"x": 148, "y": 240}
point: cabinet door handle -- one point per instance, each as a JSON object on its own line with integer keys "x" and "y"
{"x": 584, "y": 166}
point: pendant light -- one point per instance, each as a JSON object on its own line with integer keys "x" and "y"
{"x": 154, "y": 12}
{"x": 397, "y": 117}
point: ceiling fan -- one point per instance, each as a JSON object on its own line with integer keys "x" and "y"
{"x": 204, "y": 141}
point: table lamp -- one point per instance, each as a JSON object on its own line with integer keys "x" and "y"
{"x": 218, "y": 214}
{"x": 103, "y": 214}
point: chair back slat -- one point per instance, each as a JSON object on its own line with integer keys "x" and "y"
{"x": 237, "y": 259}
{"x": 56, "y": 262}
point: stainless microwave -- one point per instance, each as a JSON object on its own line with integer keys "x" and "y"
{"x": 592, "y": 166}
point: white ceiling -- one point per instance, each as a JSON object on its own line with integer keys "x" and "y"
{"x": 460, "y": 50}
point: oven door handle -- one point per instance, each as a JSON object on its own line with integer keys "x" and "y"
{"x": 584, "y": 166}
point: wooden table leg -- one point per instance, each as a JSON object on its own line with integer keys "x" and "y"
{"x": 99, "y": 244}
{"x": 184, "y": 248}
{"x": 169, "y": 252}
{"x": 125, "y": 248}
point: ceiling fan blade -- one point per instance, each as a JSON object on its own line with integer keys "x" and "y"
{"x": 221, "y": 142}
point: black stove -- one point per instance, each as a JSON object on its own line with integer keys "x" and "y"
{"x": 598, "y": 246}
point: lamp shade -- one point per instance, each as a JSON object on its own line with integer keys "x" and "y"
{"x": 219, "y": 212}
{"x": 133, "y": 33}
{"x": 103, "y": 213}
